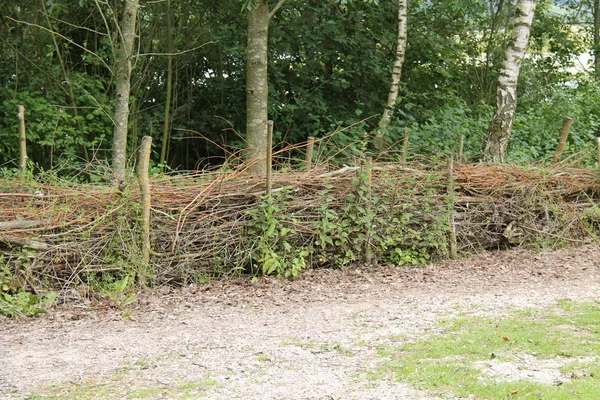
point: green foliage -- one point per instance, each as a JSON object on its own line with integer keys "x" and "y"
{"x": 274, "y": 250}
{"x": 438, "y": 131}
{"x": 55, "y": 133}
{"x": 23, "y": 303}
{"x": 338, "y": 69}
{"x": 351, "y": 233}
{"x": 15, "y": 301}
{"x": 119, "y": 291}
{"x": 538, "y": 126}
{"x": 409, "y": 256}
{"x": 329, "y": 66}
{"x": 372, "y": 222}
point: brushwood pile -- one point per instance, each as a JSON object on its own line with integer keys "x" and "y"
{"x": 206, "y": 225}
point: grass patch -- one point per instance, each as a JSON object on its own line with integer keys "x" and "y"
{"x": 529, "y": 354}
{"x": 127, "y": 384}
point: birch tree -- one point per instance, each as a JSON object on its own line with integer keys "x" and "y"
{"x": 390, "y": 105}
{"x": 500, "y": 129}
{"x": 167, "y": 124}
{"x": 123, "y": 87}
{"x": 597, "y": 38}
{"x": 257, "y": 88}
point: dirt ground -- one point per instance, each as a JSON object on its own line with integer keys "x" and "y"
{"x": 313, "y": 338}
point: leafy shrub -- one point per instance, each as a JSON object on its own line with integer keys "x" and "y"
{"x": 366, "y": 223}
{"x": 273, "y": 248}
{"x": 15, "y": 301}
{"x": 540, "y": 118}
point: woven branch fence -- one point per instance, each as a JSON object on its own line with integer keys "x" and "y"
{"x": 218, "y": 224}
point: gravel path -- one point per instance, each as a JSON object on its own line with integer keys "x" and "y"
{"x": 314, "y": 338}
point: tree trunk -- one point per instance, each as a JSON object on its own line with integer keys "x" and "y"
{"x": 500, "y": 129}
{"x": 597, "y": 38}
{"x": 123, "y": 85}
{"x": 388, "y": 111}
{"x": 257, "y": 90}
{"x": 167, "y": 125}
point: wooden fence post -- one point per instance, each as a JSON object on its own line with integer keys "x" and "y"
{"x": 309, "y": 153}
{"x": 598, "y": 146}
{"x": 22, "y": 142}
{"x": 405, "y": 146}
{"x": 369, "y": 207}
{"x": 453, "y": 244}
{"x": 564, "y": 134}
{"x": 142, "y": 173}
{"x": 461, "y": 148}
{"x": 269, "y": 156}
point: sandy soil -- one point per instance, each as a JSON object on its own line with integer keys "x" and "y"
{"x": 313, "y": 338}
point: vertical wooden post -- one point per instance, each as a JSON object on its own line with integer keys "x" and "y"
{"x": 461, "y": 148}
{"x": 598, "y": 146}
{"x": 142, "y": 173}
{"x": 22, "y": 142}
{"x": 405, "y": 146}
{"x": 269, "y": 156}
{"x": 369, "y": 206}
{"x": 309, "y": 153}
{"x": 563, "y": 139}
{"x": 453, "y": 244}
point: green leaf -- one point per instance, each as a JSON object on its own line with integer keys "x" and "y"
{"x": 271, "y": 230}
{"x": 270, "y": 265}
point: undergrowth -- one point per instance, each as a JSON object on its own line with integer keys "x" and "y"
{"x": 373, "y": 223}
{"x": 15, "y": 300}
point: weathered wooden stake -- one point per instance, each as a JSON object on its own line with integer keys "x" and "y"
{"x": 309, "y": 153}
{"x": 453, "y": 244}
{"x": 22, "y": 142}
{"x": 369, "y": 176}
{"x": 369, "y": 172}
{"x": 564, "y": 134}
{"x": 405, "y": 146}
{"x": 598, "y": 145}
{"x": 142, "y": 173}
{"x": 269, "y": 156}
{"x": 461, "y": 148}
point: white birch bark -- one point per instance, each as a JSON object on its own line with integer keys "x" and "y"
{"x": 597, "y": 38}
{"x": 500, "y": 128}
{"x": 390, "y": 105}
{"x": 123, "y": 87}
